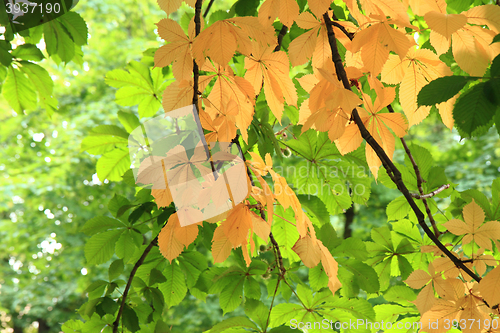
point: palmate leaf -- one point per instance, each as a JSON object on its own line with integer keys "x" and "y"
{"x": 286, "y": 234}
{"x": 139, "y": 86}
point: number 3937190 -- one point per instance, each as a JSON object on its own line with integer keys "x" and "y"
{"x": 32, "y": 7}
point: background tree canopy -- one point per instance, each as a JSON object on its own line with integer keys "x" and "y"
{"x": 372, "y": 225}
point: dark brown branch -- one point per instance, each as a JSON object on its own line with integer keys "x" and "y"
{"x": 129, "y": 282}
{"x": 349, "y": 218}
{"x": 420, "y": 189}
{"x": 208, "y": 8}
{"x": 280, "y": 277}
{"x": 431, "y": 194}
{"x": 196, "y": 72}
{"x": 407, "y": 150}
{"x": 349, "y": 35}
{"x": 386, "y": 161}
{"x": 420, "y": 181}
{"x": 282, "y": 34}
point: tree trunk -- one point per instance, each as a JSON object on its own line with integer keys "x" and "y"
{"x": 349, "y": 218}
{"x": 43, "y": 327}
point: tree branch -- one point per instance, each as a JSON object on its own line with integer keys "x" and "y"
{"x": 129, "y": 282}
{"x": 282, "y": 34}
{"x": 431, "y": 194}
{"x": 208, "y": 8}
{"x": 420, "y": 181}
{"x": 196, "y": 72}
{"x": 386, "y": 161}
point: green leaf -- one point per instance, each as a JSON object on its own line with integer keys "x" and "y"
{"x": 365, "y": 276}
{"x": 100, "y": 224}
{"x": 42, "y": 83}
{"x": 496, "y": 39}
{"x": 350, "y": 286}
{"x": 174, "y": 290}
{"x": 156, "y": 277}
{"x": 422, "y": 158}
{"x": 5, "y": 57}
{"x": 400, "y": 294}
{"x": 58, "y": 41}
{"x": 353, "y": 248}
{"x": 391, "y": 312}
{"x": 137, "y": 87}
{"x": 315, "y": 207}
{"x": 442, "y": 89}
{"x": 115, "y": 269}
{"x": 218, "y": 15}
{"x": 19, "y": 91}
{"x": 252, "y": 288}
{"x": 110, "y": 130}
{"x": 318, "y": 278}
{"x": 246, "y": 7}
{"x": 495, "y": 199}
{"x": 436, "y": 178}
{"x": 116, "y": 203}
{"x": 100, "y": 144}
{"x": 230, "y": 298}
{"x": 96, "y": 289}
{"x": 358, "y": 307}
{"x": 28, "y": 52}
{"x": 125, "y": 247}
{"x": 473, "y": 110}
{"x": 284, "y": 312}
{"x": 305, "y": 295}
{"x": 285, "y": 234}
{"x": 257, "y": 311}
{"x": 382, "y": 236}
{"x": 397, "y": 208}
{"x": 239, "y": 321}
{"x": 130, "y": 319}
{"x": 495, "y": 67}
{"x": 328, "y": 237}
{"x": 72, "y": 326}
{"x": 128, "y": 120}
{"x": 95, "y": 324}
{"x": 113, "y": 164}
{"x": 192, "y": 264}
{"x": 480, "y": 199}
{"x": 76, "y": 27}
{"x": 100, "y": 247}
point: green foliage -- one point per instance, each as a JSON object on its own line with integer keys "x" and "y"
{"x": 191, "y": 293}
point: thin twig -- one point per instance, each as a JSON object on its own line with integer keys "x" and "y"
{"x": 420, "y": 180}
{"x": 280, "y": 277}
{"x": 431, "y": 194}
{"x": 386, "y": 161}
{"x": 129, "y": 282}
{"x": 208, "y": 8}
